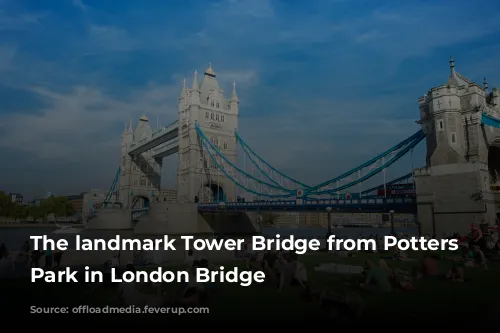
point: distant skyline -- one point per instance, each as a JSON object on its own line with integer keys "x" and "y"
{"x": 323, "y": 85}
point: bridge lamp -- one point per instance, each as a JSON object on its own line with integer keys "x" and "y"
{"x": 329, "y": 232}
{"x": 391, "y": 213}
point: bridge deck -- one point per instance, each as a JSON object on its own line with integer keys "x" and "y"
{"x": 399, "y": 205}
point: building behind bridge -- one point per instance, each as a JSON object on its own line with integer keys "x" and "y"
{"x": 16, "y": 198}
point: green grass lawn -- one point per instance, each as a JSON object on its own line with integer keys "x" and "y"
{"x": 435, "y": 298}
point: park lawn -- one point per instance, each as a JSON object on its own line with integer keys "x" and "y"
{"x": 439, "y": 298}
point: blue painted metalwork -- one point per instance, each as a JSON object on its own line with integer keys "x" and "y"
{"x": 395, "y": 181}
{"x": 490, "y": 121}
{"x": 410, "y": 143}
{"x": 207, "y": 144}
{"x": 112, "y": 189}
{"x": 248, "y": 151}
{"x": 405, "y": 146}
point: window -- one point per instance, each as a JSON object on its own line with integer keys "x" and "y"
{"x": 217, "y": 104}
{"x": 212, "y": 140}
{"x": 134, "y": 167}
{"x": 143, "y": 167}
{"x": 217, "y": 142}
{"x": 136, "y": 183}
{"x": 222, "y": 117}
{"x": 212, "y": 104}
{"x": 205, "y": 164}
{"x": 211, "y": 116}
{"x": 142, "y": 182}
{"x": 440, "y": 125}
{"x": 207, "y": 115}
{"x": 453, "y": 138}
{"x": 217, "y": 117}
{"x": 225, "y": 145}
{"x": 150, "y": 184}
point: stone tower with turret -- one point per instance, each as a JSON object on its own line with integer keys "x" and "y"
{"x": 198, "y": 177}
{"x": 140, "y": 176}
{"x": 453, "y": 190}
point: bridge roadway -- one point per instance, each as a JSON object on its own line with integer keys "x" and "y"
{"x": 163, "y": 142}
{"x": 368, "y": 205}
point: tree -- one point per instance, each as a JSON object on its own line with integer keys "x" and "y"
{"x": 6, "y": 206}
{"x": 59, "y": 206}
{"x": 19, "y": 212}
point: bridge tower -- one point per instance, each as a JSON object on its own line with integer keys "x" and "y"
{"x": 198, "y": 177}
{"x": 140, "y": 175}
{"x": 463, "y": 158}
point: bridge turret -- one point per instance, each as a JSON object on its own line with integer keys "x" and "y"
{"x": 454, "y": 190}
{"x": 441, "y": 120}
{"x": 183, "y": 98}
{"x": 234, "y": 102}
{"x": 195, "y": 90}
{"x": 494, "y": 98}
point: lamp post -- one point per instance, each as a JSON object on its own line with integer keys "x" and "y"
{"x": 221, "y": 206}
{"x": 391, "y": 213}
{"x": 329, "y": 232}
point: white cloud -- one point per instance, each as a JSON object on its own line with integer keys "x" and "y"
{"x": 80, "y": 5}
{"x": 20, "y": 22}
{"x": 109, "y": 38}
{"x": 82, "y": 123}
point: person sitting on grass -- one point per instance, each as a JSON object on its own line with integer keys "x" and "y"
{"x": 271, "y": 265}
{"x": 428, "y": 267}
{"x": 293, "y": 272}
{"x": 399, "y": 278}
{"x": 479, "y": 258}
{"x": 376, "y": 279}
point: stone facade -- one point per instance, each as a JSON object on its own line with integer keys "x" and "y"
{"x": 198, "y": 175}
{"x": 140, "y": 176}
{"x": 453, "y": 190}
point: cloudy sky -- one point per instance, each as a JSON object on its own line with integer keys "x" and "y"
{"x": 323, "y": 84}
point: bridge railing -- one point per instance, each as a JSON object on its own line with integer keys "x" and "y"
{"x": 315, "y": 202}
{"x": 156, "y": 134}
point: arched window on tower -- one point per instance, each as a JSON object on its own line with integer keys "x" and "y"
{"x": 217, "y": 104}
{"x": 212, "y": 104}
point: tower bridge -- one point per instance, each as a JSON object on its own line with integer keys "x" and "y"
{"x": 218, "y": 170}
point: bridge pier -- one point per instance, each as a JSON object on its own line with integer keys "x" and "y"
{"x": 452, "y": 197}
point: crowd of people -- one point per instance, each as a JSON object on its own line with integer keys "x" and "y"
{"x": 284, "y": 270}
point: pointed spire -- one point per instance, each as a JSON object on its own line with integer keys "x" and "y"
{"x": 453, "y": 80}
{"x": 195, "y": 86}
{"x": 452, "y": 66}
{"x": 234, "y": 97}
{"x": 183, "y": 92}
{"x": 130, "y": 128}
{"x": 209, "y": 71}
{"x": 124, "y": 127}
{"x": 485, "y": 84}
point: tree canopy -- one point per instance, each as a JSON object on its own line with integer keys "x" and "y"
{"x": 57, "y": 205}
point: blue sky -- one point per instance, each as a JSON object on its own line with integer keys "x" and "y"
{"x": 323, "y": 85}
